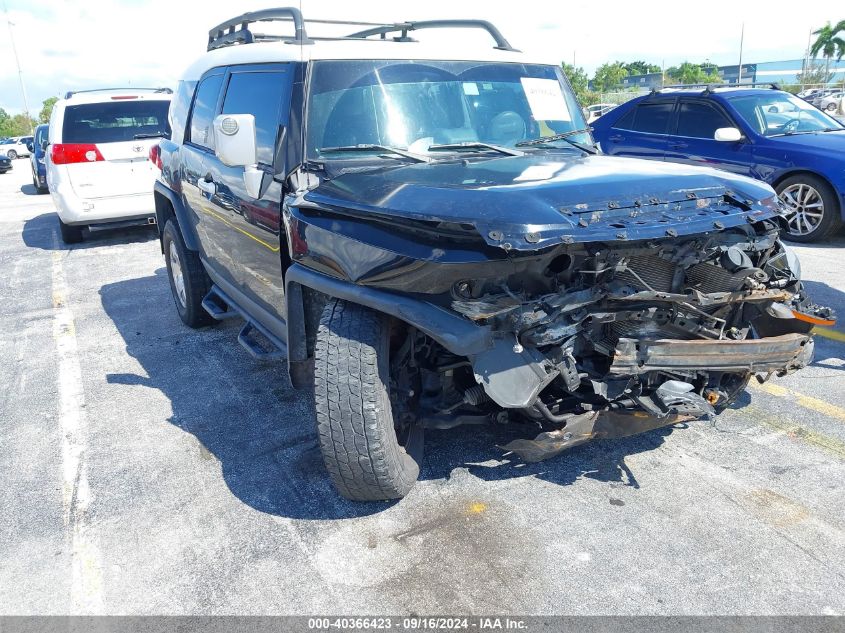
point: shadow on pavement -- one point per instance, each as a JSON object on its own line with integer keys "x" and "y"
{"x": 261, "y": 430}
{"x": 38, "y": 232}
{"x": 29, "y": 190}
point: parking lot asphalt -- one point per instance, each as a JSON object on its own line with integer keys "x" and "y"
{"x": 152, "y": 469}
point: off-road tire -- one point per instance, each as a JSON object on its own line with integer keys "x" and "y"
{"x": 71, "y": 234}
{"x": 197, "y": 281}
{"x": 354, "y": 417}
{"x": 831, "y": 220}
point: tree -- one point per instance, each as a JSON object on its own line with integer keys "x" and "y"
{"x": 814, "y": 73}
{"x": 16, "y": 125}
{"x": 47, "y": 110}
{"x": 641, "y": 68}
{"x": 578, "y": 79}
{"x": 689, "y": 73}
{"x": 609, "y": 76}
{"x": 828, "y": 43}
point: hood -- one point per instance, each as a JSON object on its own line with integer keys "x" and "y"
{"x": 824, "y": 142}
{"x": 536, "y": 200}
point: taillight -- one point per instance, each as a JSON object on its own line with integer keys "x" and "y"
{"x": 67, "y": 153}
{"x": 155, "y": 156}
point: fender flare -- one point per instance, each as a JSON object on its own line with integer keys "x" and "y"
{"x": 183, "y": 218}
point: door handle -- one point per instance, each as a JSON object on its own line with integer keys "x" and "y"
{"x": 615, "y": 138}
{"x": 207, "y": 186}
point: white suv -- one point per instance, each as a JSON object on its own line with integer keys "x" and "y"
{"x": 99, "y": 168}
{"x": 16, "y": 147}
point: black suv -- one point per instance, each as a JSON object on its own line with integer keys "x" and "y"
{"x": 430, "y": 238}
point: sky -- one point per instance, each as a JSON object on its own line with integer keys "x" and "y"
{"x": 77, "y": 44}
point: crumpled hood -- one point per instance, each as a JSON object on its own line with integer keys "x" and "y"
{"x": 536, "y": 200}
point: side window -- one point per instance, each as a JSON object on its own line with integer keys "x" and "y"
{"x": 627, "y": 121}
{"x": 700, "y": 120}
{"x": 259, "y": 93}
{"x": 178, "y": 114}
{"x": 202, "y": 115}
{"x": 653, "y": 118}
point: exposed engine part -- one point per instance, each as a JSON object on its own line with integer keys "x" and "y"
{"x": 648, "y": 272}
{"x": 476, "y": 395}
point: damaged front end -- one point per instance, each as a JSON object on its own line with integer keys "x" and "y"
{"x": 631, "y": 337}
{"x": 588, "y": 320}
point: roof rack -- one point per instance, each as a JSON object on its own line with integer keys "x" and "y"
{"x": 218, "y": 38}
{"x": 501, "y": 43}
{"x": 708, "y": 88}
{"x": 228, "y": 33}
{"x": 168, "y": 91}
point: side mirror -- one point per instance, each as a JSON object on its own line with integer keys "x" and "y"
{"x": 234, "y": 139}
{"x": 44, "y": 144}
{"x": 728, "y": 135}
{"x": 30, "y": 148}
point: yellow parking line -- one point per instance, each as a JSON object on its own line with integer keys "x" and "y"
{"x": 808, "y": 402}
{"x": 834, "y": 335}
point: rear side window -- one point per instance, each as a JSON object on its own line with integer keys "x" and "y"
{"x": 259, "y": 94}
{"x": 700, "y": 120}
{"x": 650, "y": 118}
{"x": 179, "y": 109}
{"x": 40, "y": 136}
{"x": 205, "y": 107}
{"x": 115, "y": 121}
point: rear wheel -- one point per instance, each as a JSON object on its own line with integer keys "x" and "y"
{"x": 359, "y": 438}
{"x": 71, "y": 234}
{"x": 813, "y": 208}
{"x": 189, "y": 282}
{"x": 38, "y": 188}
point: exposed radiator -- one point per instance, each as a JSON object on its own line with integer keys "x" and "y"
{"x": 654, "y": 271}
{"x": 710, "y": 278}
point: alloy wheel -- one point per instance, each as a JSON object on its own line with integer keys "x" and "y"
{"x": 806, "y": 208}
{"x": 177, "y": 275}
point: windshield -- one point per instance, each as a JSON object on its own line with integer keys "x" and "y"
{"x": 115, "y": 121}
{"x": 414, "y": 105}
{"x": 776, "y": 113}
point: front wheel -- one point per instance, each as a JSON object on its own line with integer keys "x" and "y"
{"x": 355, "y": 421}
{"x": 830, "y": 107}
{"x": 12, "y": 154}
{"x": 813, "y": 208}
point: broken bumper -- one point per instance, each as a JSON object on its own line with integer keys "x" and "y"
{"x": 770, "y": 354}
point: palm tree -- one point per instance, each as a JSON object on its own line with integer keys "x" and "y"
{"x": 829, "y": 44}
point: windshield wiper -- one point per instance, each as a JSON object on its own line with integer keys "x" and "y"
{"x": 476, "y": 145}
{"x": 153, "y": 135}
{"x": 563, "y": 136}
{"x": 366, "y": 147}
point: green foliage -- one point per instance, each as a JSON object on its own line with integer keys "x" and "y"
{"x": 609, "y": 76}
{"x": 814, "y": 73}
{"x": 828, "y": 42}
{"x": 689, "y": 73}
{"x": 579, "y": 81}
{"x": 47, "y": 109}
{"x": 641, "y": 68}
{"x": 16, "y": 125}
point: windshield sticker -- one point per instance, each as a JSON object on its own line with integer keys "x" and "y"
{"x": 546, "y": 100}
{"x": 470, "y": 88}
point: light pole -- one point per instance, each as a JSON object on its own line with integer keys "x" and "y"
{"x": 20, "y": 72}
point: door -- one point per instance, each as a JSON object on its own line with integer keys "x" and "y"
{"x": 248, "y": 230}
{"x": 115, "y": 137}
{"x": 642, "y": 132}
{"x": 693, "y": 140}
{"x": 195, "y": 153}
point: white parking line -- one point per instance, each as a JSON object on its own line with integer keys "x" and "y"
{"x": 86, "y": 580}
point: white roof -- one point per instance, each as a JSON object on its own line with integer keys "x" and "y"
{"x": 277, "y": 51}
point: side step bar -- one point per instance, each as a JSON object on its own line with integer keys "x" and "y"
{"x": 255, "y": 339}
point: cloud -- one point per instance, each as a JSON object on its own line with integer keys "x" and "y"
{"x": 78, "y": 44}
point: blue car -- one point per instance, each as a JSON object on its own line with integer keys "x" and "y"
{"x": 37, "y": 159}
{"x": 764, "y": 133}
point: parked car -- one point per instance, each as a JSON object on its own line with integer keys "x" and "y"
{"x": 799, "y": 153}
{"x": 38, "y": 159}
{"x": 816, "y": 99}
{"x": 98, "y": 168}
{"x": 5, "y": 164}
{"x": 428, "y": 236}
{"x": 598, "y": 109}
{"x": 831, "y": 102}
{"x": 16, "y": 147}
